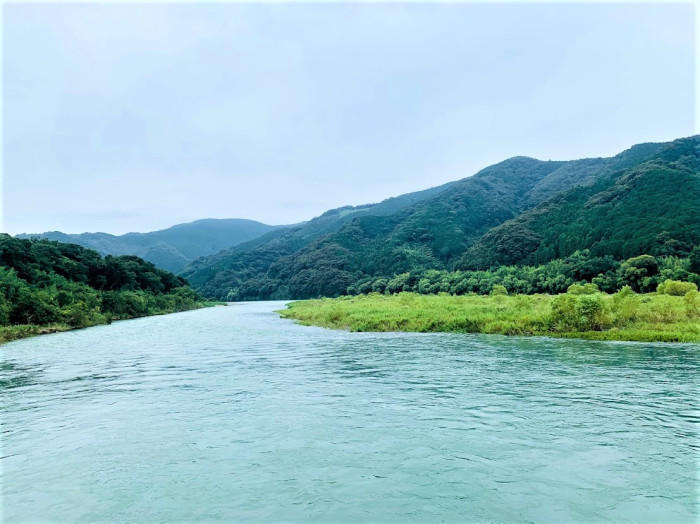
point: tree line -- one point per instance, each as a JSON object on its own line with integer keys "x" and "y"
{"x": 641, "y": 273}
{"x": 44, "y": 282}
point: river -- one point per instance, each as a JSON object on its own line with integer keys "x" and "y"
{"x": 232, "y": 413}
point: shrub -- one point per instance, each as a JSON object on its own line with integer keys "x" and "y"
{"x": 676, "y": 288}
{"x": 591, "y": 313}
{"x": 626, "y": 291}
{"x": 692, "y": 302}
{"x": 571, "y": 312}
{"x": 379, "y": 285}
{"x": 563, "y": 316}
{"x": 585, "y": 289}
{"x": 398, "y": 284}
{"x": 498, "y": 289}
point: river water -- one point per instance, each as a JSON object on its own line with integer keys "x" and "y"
{"x": 232, "y": 413}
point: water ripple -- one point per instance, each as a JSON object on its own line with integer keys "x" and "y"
{"x": 235, "y": 414}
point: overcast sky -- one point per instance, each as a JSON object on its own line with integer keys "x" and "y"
{"x": 136, "y": 117}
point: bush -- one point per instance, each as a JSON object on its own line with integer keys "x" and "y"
{"x": 692, "y": 302}
{"x": 499, "y": 290}
{"x": 398, "y": 284}
{"x": 585, "y": 289}
{"x": 676, "y": 288}
{"x": 591, "y": 313}
{"x": 571, "y": 312}
{"x": 626, "y": 291}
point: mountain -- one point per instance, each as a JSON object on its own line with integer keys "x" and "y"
{"x": 249, "y": 262}
{"x": 432, "y": 229}
{"x": 652, "y": 207}
{"x": 170, "y": 249}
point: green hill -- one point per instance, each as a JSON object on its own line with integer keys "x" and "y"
{"x": 173, "y": 248}
{"x": 652, "y": 207}
{"x": 45, "y": 283}
{"x": 249, "y": 262}
{"x": 432, "y": 230}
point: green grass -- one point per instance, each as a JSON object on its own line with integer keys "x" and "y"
{"x": 623, "y": 316}
{"x": 213, "y": 303}
{"x": 9, "y": 333}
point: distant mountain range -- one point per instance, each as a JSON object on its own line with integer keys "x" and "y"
{"x": 519, "y": 211}
{"x": 170, "y": 249}
{"x": 522, "y": 210}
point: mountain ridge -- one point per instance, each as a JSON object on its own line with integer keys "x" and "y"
{"x": 432, "y": 231}
{"x": 171, "y": 248}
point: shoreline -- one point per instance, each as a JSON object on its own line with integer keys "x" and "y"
{"x": 15, "y": 332}
{"x": 621, "y": 317}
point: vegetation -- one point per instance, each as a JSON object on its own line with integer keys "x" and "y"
{"x": 173, "y": 248}
{"x": 522, "y": 218}
{"x": 581, "y": 313}
{"x": 642, "y": 274}
{"x": 649, "y": 208}
{"x": 676, "y": 288}
{"x": 49, "y": 286}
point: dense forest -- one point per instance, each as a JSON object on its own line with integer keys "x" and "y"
{"x": 643, "y": 274}
{"x": 522, "y": 223}
{"x": 653, "y": 208}
{"x": 46, "y": 283}
{"x": 170, "y": 249}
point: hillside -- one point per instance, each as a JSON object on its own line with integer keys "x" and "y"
{"x": 45, "y": 283}
{"x": 170, "y": 249}
{"x": 250, "y": 261}
{"x": 653, "y": 207}
{"x": 326, "y": 255}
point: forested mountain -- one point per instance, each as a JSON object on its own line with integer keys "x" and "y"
{"x": 327, "y": 255}
{"x": 251, "y": 260}
{"x": 652, "y": 207}
{"x": 45, "y": 283}
{"x": 173, "y": 248}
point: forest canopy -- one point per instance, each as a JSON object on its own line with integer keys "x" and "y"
{"x": 45, "y": 283}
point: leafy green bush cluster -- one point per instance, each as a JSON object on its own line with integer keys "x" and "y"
{"x": 499, "y": 290}
{"x": 580, "y": 273}
{"x": 578, "y": 312}
{"x": 676, "y": 287}
{"x": 49, "y": 283}
{"x": 582, "y": 289}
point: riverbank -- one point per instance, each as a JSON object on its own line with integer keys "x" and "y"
{"x": 623, "y": 316}
{"x": 16, "y": 332}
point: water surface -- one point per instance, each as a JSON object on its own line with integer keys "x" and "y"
{"x": 232, "y": 413}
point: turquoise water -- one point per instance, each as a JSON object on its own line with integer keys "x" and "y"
{"x": 232, "y": 413}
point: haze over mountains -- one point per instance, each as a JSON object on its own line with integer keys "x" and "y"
{"x": 172, "y": 248}
{"x": 520, "y": 211}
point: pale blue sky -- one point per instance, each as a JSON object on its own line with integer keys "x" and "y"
{"x": 133, "y": 117}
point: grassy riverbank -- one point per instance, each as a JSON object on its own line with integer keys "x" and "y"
{"x": 16, "y": 332}
{"x": 622, "y": 316}
{"x": 48, "y": 286}
{"x": 10, "y": 333}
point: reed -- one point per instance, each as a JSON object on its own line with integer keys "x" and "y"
{"x": 622, "y": 316}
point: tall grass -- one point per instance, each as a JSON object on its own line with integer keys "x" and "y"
{"x": 622, "y": 316}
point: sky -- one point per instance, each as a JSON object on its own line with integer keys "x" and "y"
{"x": 135, "y": 117}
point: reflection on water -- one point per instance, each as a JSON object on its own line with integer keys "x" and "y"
{"x": 233, "y": 413}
